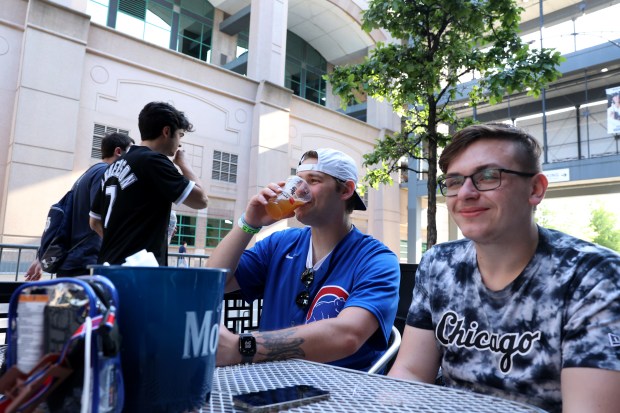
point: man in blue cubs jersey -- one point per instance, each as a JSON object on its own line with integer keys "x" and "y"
{"x": 513, "y": 310}
{"x": 329, "y": 292}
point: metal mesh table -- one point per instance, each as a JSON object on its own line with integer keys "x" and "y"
{"x": 350, "y": 390}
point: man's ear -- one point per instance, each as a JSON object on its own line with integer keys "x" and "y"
{"x": 539, "y": 188}
{"x": 350, "y": 188}
{"x": 118, "y": 152}
{"x": 166, "y": 132}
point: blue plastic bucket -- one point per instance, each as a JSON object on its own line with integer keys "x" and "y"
{"x": 169, "y": 322}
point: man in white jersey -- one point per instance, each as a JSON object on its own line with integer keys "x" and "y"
{"x": 513, "y": 310}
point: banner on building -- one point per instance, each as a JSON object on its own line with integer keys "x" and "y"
{"x": 613, "y": 110}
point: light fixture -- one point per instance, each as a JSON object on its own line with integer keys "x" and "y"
{"x": 603, "y": 70}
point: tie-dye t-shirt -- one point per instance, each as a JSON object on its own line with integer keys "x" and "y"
{"x": 562, "y": 311}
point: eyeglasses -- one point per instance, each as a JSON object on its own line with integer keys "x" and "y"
{"x": 303, "y": 298}
{"x": 485, "y": 180}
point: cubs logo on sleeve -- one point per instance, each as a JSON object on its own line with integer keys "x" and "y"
{"x": 328, "y": 303}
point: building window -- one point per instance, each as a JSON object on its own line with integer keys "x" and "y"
{"x": 224, "y": 167}
{"x": 185, "y": 26}
{"x": 186, "y": 231}
{"x": 149, "y": 20}
{"x": 194, "y": 154}
{"x": 243, "y": 42}
{"x": 98, "y": 10}
{"x": 195, "y": 29}
{"x": 216, "y": 230}
{"x": 304, "y": 70}
{"x": 99, "y": 133}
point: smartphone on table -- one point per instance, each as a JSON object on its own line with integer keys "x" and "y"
{"x": 280, "y": 398}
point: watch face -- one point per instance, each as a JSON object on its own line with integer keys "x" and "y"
{"x": 247, "y": 345}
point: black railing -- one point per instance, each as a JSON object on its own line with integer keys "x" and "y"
{"x": 238, "y": 315}
{"x": 16, "y": 258}
{"x": 187, "y": 260}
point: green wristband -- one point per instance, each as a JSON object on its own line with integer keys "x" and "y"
{"x": 247, "y": 228}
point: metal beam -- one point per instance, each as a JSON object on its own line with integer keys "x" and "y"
{"x": 237, "y": 22}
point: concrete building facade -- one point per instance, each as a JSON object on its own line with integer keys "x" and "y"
{"x": 66, "y": 80}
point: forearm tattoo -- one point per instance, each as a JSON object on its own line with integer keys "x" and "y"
{"x": 280, "y": 345}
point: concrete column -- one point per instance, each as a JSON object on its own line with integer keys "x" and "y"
{"x": 44, "y": 128}
{"x": 269, "y": 150}
{"x": 381, "y": 115}
{"x": 223, "y": 46}
{"x": 267, "y": 49}
{"x": 384, "y": 219}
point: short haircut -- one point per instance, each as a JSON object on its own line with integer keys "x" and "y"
{"x": 114, "y": 140}
{"x": 157, "y": 115}
{"x": 528, "y": 148}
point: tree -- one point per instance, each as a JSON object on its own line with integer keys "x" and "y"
{"x": 441, "y": 41}
{"x": 553, "y": 214}
{"x": 603, "y": 223}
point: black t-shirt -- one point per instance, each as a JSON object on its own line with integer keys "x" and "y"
{"x": 134, "y": 204}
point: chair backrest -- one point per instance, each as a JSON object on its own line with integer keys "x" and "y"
{"x": 390, "y": 353}
{"x": 405, "y": 293}
{"x": 239, "y": 316}
{"x": 6, "y": 290}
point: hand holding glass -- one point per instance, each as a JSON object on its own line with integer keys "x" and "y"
{"x": 295, "y": 193}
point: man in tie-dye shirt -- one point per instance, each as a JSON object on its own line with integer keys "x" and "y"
{"x": 513, "y": 310}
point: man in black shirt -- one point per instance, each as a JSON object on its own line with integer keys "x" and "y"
{"x": 132, "y": 209}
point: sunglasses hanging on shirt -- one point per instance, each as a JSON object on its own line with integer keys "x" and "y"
{"x": 303, "y": 298}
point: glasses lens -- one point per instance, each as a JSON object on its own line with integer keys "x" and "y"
{"x": 487, "y": 179}
{"x": 303, "y": 299}
{"x": 450, "y": 185}
{"x": 307, "y": 277}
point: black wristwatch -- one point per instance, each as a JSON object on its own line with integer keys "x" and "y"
{"x": 247, "y": 347}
